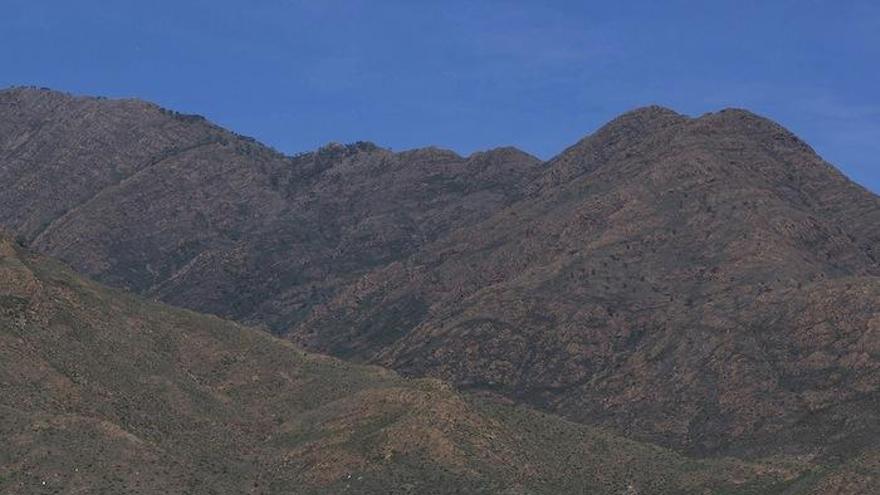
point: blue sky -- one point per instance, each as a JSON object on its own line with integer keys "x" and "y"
{"x": 465, "y": 75}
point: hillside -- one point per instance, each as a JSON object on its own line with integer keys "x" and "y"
{"x": 102, "y": 392}
{"x": 176, "y": 208}
{"x": 710, "y": 284}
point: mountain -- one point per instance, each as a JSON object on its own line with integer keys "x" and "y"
{"x": 104, "y": 392}
{"x": 706, "y": 283}
{"x": 176, "y": 208}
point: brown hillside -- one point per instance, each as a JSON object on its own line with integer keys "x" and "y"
{"x": 104, "y": 393}
{"x": 174, "y": 207}
{"x": 707, "y": 283}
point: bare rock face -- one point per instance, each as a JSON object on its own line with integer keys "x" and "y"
{"x": 707, "y": 283}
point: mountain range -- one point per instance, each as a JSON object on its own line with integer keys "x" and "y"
{"x": 672, "y": 303}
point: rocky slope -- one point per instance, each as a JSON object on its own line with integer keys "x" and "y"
{"x": 102, "y": 392}
{"x": 710, "y": 284}
{"x": 706, "y": 283}
{"x": 174, "y": 207}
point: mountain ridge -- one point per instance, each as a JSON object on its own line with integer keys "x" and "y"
{"x": 17, "y": 91}
{"x": 688, "y": 218}
{"x": 248, "y": 189}
{"x": 705, "y": 283}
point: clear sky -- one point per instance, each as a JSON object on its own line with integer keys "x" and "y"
{"x": 464, "y": 74}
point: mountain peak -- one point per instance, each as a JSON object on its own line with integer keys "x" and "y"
{"x": 754, "y": 127}
{"x": 620, "y": 134}
{"x": 642, "y": 119}
{"x": 651, "y": 111}
{"x": 431, "y": 152}
{"x": 654, "y": 129}
{"x": 503, "y": 153}
{"x": 738, "y": 116}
